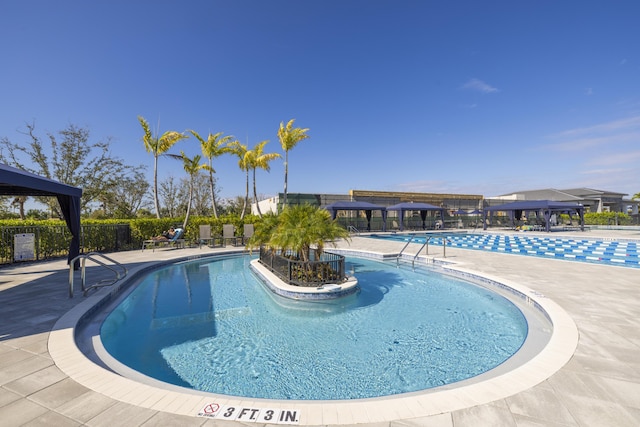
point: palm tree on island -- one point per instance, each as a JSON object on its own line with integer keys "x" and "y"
{"x": 297, "y": 236}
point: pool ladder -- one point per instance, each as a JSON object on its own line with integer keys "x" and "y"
{"x": 425, "y": 244}
{"x": 118, "y": 269}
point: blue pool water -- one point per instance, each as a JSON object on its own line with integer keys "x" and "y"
{"x": 623, "y": 254}
{"x": 211, "y": 325}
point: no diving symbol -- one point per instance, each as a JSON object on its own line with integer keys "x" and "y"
{"x": 211, "y": 409}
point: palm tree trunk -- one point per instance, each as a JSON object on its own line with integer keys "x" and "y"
{"x": 213, "y": 194}
{"x": 255, "y": 193}
{"x": 246, "y": 197}
{"x": 155, "y": 186}
{"x": 186, "y": 217}
{"x": 286, "y": 172}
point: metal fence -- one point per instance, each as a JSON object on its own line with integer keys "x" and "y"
{"x": 52, "y": 241}
{"x": 326, "y": 268}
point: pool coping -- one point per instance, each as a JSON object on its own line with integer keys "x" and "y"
{"x": 559, "y": 350}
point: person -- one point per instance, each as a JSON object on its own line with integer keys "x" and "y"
{"x": 166, "y": 235}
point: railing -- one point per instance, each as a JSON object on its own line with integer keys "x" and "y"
{"x": 118, "y": 269}
{"x": 52, "y": 241}
{"x": 424, "y": 245}
{"x": 326, "y": 268}
{"x": 403, "y": 248}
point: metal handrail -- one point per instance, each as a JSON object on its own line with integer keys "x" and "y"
{"x": 403, "y": 248}
{"x": 426, "y": 243}
{"x": 353, "y": 229}
{"x": 119, "y": 270}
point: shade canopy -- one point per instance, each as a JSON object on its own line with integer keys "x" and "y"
{"x": 16, "y": 182}
{"x": 346, "y": 205}
{"x": 411, "y": 206}
{"x": 547, "y": 207}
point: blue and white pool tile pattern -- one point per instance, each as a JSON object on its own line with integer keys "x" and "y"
{"x": 623, "y": 253}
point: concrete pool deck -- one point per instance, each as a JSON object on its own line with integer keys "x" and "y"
{"x": 600, "y": 385}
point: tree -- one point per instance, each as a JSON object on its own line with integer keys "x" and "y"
{"x": 72, "y": 160}
{"x": 170, "y": 191}
{"x": 298, "y": 229}
{"x": 258, "y": 159}
{"x": 201, "y": 202}
{"x": 232, "y": 206}
{"x": 244, "y": 163}
{"x": 289, "y": 138}
{"x": 20, "y": 201}
{"x": 192, "y": 167}
{"x": 130, "y": 196}
{"x": 215, "y": 146}
{"x": 158, "y": 146}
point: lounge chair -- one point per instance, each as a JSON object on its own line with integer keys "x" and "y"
{"x": 177, "y": 241}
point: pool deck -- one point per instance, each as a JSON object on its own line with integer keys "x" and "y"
{"x": 599, "y": 386}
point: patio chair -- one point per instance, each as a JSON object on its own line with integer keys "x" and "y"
{"x": 177, "y": 241}
{"x": 228, "y": 234}
{"x": 205, "y": 237}
{"x": 248, "y": 233}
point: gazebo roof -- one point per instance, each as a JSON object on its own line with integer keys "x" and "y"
{"x": 346, "y": 205}
{"x": 411, "y": 206}
{"x": 532, "y": 205}
{"x": 16, "y": 182}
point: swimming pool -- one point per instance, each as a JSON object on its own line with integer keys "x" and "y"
{"x": 620, "y": 253}
{"x": 210, "y": 325}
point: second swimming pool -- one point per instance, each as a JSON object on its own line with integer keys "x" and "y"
{"x": 624, "y": 253}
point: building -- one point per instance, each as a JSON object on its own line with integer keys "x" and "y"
{"x": 451, "y": 202}
{"x": 592, "y": 200}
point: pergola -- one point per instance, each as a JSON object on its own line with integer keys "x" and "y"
{"x": 16, "y": 182}
{"x": 546, "y": 207}
{"x": 358, "y": 206}
{"x": 423, "y": 208}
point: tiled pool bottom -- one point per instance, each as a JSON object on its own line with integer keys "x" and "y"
{"x": 621, "y": 253}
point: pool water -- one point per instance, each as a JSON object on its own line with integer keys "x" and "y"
{"x": 211, "y": 325}
{"x": 624, "y": 254}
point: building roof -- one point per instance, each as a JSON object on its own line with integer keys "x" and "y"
{"x": 570, "y": 194}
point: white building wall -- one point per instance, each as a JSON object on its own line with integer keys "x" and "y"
{"x": 266, "y": 205}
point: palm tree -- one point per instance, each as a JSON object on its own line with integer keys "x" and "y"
{"x": 299, "y": 228}
{"x": 289, "y": 137}
{"x": 158, "y": 145}
{"x": 259, "y": 159}
{"x": 192, "y": 167}
{"x": 214, "y": 146}
{"x": 244, "y": 161}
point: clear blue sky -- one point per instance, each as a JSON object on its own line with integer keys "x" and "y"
{"x": 431, "y": 96}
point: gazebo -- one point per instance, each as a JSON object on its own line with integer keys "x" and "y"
{"x": 546, "y": 207}
{"x": 16, "y": 182}
{"x": 367, "y": 207}
{"x": 423, "y": 208}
